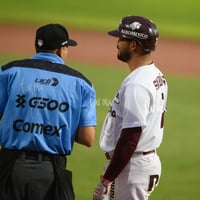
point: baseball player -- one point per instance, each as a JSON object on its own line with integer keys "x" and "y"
{"x": 45, "y": 106}
{"x": 133, "y": 128}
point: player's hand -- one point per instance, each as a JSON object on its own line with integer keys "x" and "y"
{"x": 102, "y": 189}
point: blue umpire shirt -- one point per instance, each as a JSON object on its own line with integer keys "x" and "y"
{"x": 43, "y": 103}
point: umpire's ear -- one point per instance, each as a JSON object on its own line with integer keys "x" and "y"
{"x": 62, "y": 52}
{"x": 58, "y": 52}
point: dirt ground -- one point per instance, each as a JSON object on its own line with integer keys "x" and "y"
{"x": 172, "y": 56}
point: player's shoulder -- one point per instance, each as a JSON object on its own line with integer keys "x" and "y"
{"x": 151, "y": 70}
{"x": 143, "y": 76}
{"x": 145, "y": 73}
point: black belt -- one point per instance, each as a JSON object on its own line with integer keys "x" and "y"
{"x": 33, "y": 156}
{"x": 107, "y": 154}
{"x": 148, "y": 152}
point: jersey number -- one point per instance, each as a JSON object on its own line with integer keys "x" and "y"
{"x": 162, "y": 120}
{"x": 153, "y": 182}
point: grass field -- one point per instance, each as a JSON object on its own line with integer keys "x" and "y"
{"x": 178, "y": 18}
{"x": 180, "y": 149}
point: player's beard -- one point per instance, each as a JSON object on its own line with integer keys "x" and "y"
{"x": 124, "y": 55}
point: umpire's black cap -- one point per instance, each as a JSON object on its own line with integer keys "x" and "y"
{"x": 52, "y": 36}
{"x": 138, "y": 28}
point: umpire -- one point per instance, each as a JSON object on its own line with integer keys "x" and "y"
{"x": 45, "y": 106}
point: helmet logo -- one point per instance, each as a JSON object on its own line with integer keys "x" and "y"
{"x": 131, "y": 30}
{"x": 135, "y": 25}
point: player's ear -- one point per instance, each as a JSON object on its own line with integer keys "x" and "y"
{"x": 133, "y": 45}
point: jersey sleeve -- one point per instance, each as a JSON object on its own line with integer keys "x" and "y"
{"x": 135, "y": 106}
{"x": 88, "y": 108}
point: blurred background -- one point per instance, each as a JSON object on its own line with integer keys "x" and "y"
{"x": 95, "y": 56}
